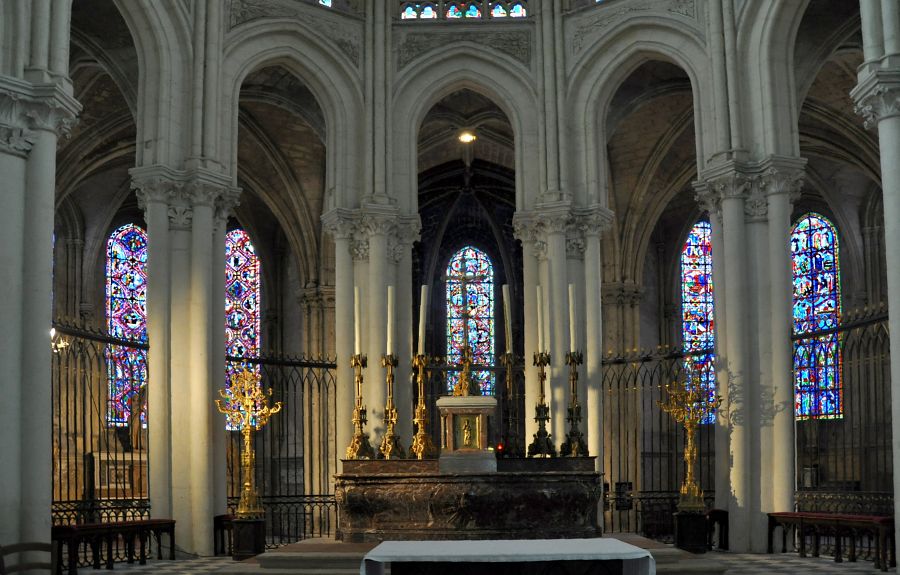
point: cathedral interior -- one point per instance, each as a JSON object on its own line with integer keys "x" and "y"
{"x": 685, "y": 192}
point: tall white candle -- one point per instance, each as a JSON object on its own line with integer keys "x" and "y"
{"x": 356, "y": 320}
{"x": 540, "y": 319}
{"x": 572, "y": 341}
{"x": 390, "y": 321}
{"x": 507, "y": 318}
{"x": 423, "y": 307}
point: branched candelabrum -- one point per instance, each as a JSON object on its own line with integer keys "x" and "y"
{"x": 422, "y": 447}
{"x": 689, "y": 405}
{"x": 574, "y": 445}
{"x": 513, "y": 447}
{"x": 246, "y": 406}
{"x": 542, "y": 446}
{"x": 359, "y": 447}
{"x": 390, "y": 447}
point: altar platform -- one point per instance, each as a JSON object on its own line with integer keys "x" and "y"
{"x": 381, "y": 500}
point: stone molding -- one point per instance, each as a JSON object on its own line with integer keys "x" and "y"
{"x": 755, "y": 183}
{"x": 182, "y": 191}
{"x": 411, "y": 44}
{"x": 877, "y": 96}
{"x": 621, "y": 293}
{"x": 341, "y": 223}
{"x": 180, "y": 217}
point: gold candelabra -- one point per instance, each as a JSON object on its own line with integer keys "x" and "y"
{"x": 689, "y": 404}
{"x": 390, "y": 447}
{"x": 542, "y": 446}
{"x": 574, "y": 445}
{"x": 359, "y": 447}
{"x": 422, "y": 446}
{"x": 246, "y": 408}
{"x": 512, "y": 447}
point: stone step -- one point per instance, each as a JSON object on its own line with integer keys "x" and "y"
{"x": 672, "y": 561}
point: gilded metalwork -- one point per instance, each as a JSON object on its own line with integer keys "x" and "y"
{"x": 422, "y": 447}
{"x": 574, "y": 445}
{"x": 512, "y": 447}
{"x": 246, "y": 408}
{"x": 464, "y": 387}
{"x": 359, "y": 447}
{"x": 390, "y": 447}
{"x": 542, "y": 446}
{"x": 689, "y": 404}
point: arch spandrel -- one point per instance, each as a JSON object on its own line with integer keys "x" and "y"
{"x": 336, "y": 86}
{"x": 427, "y": 80}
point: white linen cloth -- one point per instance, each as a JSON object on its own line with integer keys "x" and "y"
{"x": 636, "y": 561}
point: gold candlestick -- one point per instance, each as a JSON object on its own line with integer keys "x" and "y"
{"x": 688, "y": 405}
{"x": 574, "y": 445}
{"x": 390, "y": 447}
{"x": 512, "y": 447}
{"x": 246, "y": 407}
{"x": 542, "y": 446}
{"x": 359, "y": 447}
{"x": 465, "y": 386}
{"x": 422, "y": 446}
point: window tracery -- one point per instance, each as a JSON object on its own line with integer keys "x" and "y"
{"x": 470, "y": 312}
{"x": 449, "y": 10}
{"x": 242, "y": 301}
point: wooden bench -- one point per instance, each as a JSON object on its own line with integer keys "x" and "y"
{"x": 95, "y": 534}
{"x": 222, "y": 534}
{"x": 837, "y": 525}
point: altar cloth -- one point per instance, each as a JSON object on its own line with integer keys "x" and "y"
{"x": 636, "y": 561}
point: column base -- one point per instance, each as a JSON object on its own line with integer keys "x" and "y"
{"x": 249, "y": 538}
{"x": 690, "y": 531}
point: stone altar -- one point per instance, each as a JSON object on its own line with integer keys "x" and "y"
{"x": 412, "y": 499}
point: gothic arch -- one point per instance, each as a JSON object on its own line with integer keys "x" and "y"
{"x": 498, "y": 77}
{"x": 335, "y": 85}
{"x": 596, "y": 77}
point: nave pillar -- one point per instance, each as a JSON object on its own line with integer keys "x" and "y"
{"x": 877, "y": 98}
{"x": 36, "y": 108}
{"x": 186, "y": 214}
{"x": 750, "y": 206}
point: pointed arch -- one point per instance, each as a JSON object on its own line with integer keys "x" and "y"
{"x": 818, "y": 380}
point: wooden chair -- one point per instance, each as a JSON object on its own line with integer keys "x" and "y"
{"x": 8, "y": 550}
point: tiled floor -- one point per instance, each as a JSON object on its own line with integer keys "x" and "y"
{"x": 739, "y": 564}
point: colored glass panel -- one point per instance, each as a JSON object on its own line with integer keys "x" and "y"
{"x": 242, "y": 301}
{"x": 454, "y": 12}
{"x": 409, "y": 13}
{"x": 818, "y": 389}
{"x": 518, "y": 10}
{"x": 473, "y": 11}
{"x": 472, "y": 299}
{"x": 697, "y": 313}
{"x": 428, "y": 12}
{"x": 126, "y": 318}
{"x": 325, "y": 3}
{"x": 498, "y": 11}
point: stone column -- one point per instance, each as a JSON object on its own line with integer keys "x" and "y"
{"x": 731, "y": 186}
{"x": 877, "y": 97}
{"x": 526, "y": 233}
{"x": 153, "y": 194}
{"x": 340, "y": 224}
{"x": 781, "y": 182}
{"x": 401, "y": 253}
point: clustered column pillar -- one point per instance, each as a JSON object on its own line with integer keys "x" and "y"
{"x": 877, "y": 97}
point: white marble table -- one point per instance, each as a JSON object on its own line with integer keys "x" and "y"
{"x": 635, "y": 561}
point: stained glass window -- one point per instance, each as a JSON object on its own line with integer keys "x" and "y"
{"x": 470, "y": 311}
{"x": 454, "y": 12}
{"x": 325, "y": 3}
{"x": 517, "y": 10}
{"x": 498, "y": 11}
{"x": 126, "y": 318}
{"x": 473, "y": 11}
{"x": 242, "y": 300}
{"x": 428, "y": 12}
{"x": 818, "y": 389}
{"x": 697, "y": 317}
{"x": 409, "y": 13}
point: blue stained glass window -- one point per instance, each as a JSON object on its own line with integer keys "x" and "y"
{"x": 818, "y": 385}
{"x": 428, "y": 12}
{"x": 518, "y": 10}
{"x": 697, "y": 313}
{"x": 409, "y": 13}
{"x": 473, "y": 11}
{"x": 454, "y": 12}
{"x": 498, "y": 11}
{"x": 325, "y": 3}
{"x": 242, "y": 301}
{"x": 477, "y": 302}
{"x": 126, "y": 318}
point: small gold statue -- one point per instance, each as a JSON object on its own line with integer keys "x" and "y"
{"x": 467, "y": 435}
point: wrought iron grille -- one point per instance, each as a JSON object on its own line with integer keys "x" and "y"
{"x": 296, "y": 452}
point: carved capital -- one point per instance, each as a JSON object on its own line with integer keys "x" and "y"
{"x": 378, "y": 220}
{"x": 341, "y": 223}
{"x": 575, "y": 248}
{"x": 730, "y": 185}
{"x": 151, "y": 189}
{"x": 756, "y": 207}
{"x": 524, "y": 227}
{"x": 877, "y": 96}
{"x": 26, "y": 108}
{"x": 204, "y": 193}
{"x": 592, "y": 221}
{"x": 708, "y": 199}
{"x": 359, "y": 249}
{"x": 539, "y": 250}
{"x": 408, "y": 229}
{"x": 776, "y": 181}
{"x": 16, "y": 141}
{"x": 225, "y": 204}
{"x": 180, "y": 217}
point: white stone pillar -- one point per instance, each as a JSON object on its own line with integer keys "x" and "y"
{"x": 873, "y": 39}
{"x": 526, "y": 232}
{"x": 781, "y": 182}
{"x": 15, "y": 143}
{"x": 407, "y": 233}
{"x": 731, "y": 187}
{"x": 340, "y": 224}
{"x": 378, "y": 226}
{"x": 556, "y": 320}
{"x": 877, "y": 97}
{"x": 152, "y": 196}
